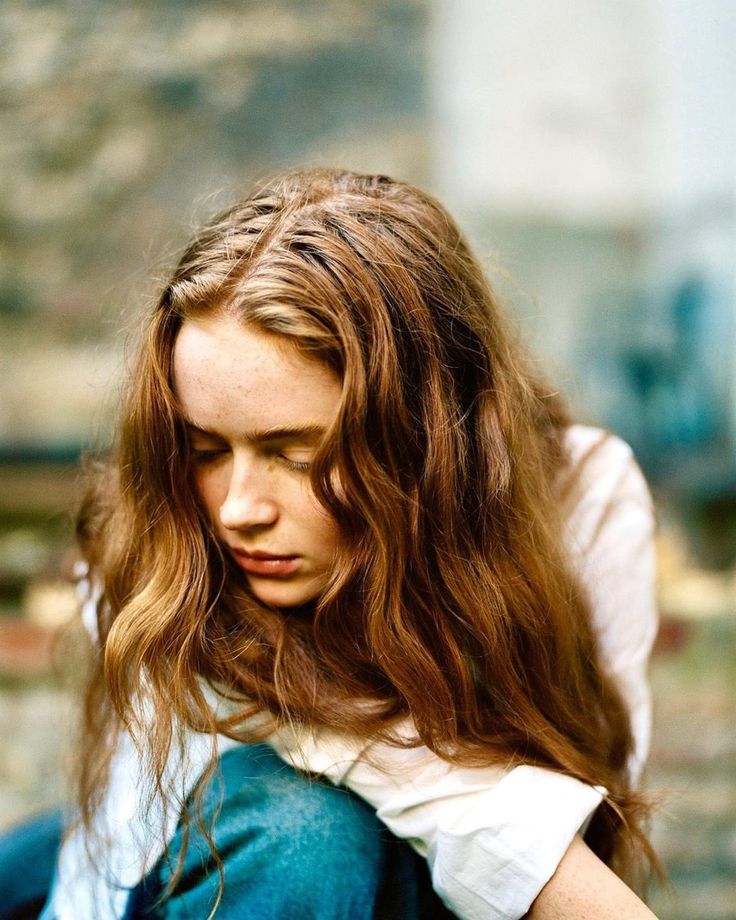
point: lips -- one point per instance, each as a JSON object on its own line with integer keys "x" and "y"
{"x": 258, "y": 562}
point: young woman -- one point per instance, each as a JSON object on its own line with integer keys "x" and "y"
{"x": 348, "y": 525}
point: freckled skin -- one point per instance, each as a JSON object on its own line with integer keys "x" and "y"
{"x": 232, "y": 381}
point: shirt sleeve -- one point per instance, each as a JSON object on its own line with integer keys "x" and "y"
{"x": 492, "y": 837}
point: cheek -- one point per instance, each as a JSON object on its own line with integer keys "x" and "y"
{"x": 324, "y": 531}
{"x": 211, "y": 490}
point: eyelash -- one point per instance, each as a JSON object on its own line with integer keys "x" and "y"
{"x": 207, "y": 456}
{"x": 298, "y": 466}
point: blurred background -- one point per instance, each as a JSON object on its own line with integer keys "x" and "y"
{"x": 587, "y": 148}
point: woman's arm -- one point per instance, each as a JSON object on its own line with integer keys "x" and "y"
{"x": 492, "y": 837}
{"x": 584, "y": 888}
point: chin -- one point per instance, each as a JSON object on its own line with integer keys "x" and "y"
{"x": 283, "y": 594}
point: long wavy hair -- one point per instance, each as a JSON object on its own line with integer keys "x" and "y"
{"x": 451, "y": 603}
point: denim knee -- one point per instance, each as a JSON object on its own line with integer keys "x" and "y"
{"x": 289, "y": 845}
{"x": 27, "y": 861}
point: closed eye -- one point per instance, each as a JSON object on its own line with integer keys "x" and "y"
{"x": 207, "y": 454}
{"x": 299, "y": 466}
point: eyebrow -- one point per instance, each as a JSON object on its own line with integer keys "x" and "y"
{"x": 309, "y": 431}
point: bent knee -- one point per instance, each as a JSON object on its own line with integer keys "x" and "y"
{"x": 299, "y": 820}
{"x": 287, "y": 841}
{"x": 260, "y": 794}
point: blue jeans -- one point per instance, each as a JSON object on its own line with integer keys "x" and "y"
{"x": 290, "y": 847}
{"x": 27, "y": 857}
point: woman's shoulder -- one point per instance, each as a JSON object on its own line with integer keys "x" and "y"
{"x": 600, "y": 460}
{"x": 585, "y": 443}
{"x": 601, "y": 480}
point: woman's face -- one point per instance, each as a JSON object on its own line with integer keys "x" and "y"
{"x": 256, "y": 410}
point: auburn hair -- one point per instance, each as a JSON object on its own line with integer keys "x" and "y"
{"x": 451, "y": 603}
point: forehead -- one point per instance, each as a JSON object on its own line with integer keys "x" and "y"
{"x": 232, "y": 377}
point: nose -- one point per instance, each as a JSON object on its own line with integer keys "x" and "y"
{"x": 248, "y": 502}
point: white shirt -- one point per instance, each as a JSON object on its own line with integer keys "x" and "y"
{"x": 493, "y": 837}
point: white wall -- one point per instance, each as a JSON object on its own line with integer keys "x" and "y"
{"x": 542, "y": 107}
